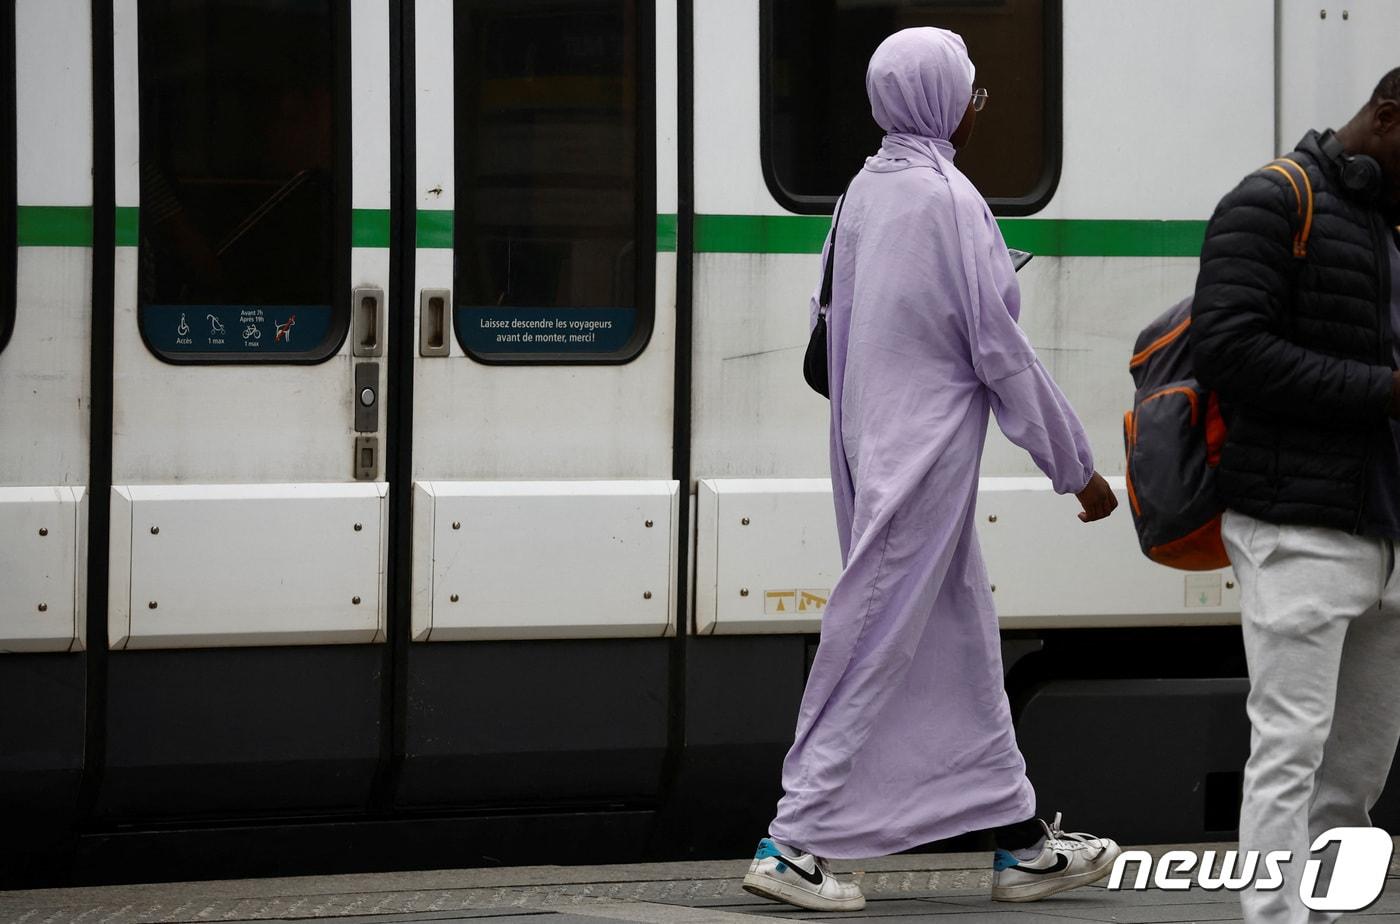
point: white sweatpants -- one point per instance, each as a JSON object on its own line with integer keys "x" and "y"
{"x": 1321, "y": 619}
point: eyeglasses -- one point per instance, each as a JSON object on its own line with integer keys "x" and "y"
{"x": 979, "y": 99}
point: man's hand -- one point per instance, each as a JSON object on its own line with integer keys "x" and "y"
{"x": 1097, "y": 499}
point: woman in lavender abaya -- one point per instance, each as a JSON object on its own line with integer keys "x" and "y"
{"x": 904, "y": 734}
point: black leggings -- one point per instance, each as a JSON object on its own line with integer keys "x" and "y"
{"x": 1019, "y": 836}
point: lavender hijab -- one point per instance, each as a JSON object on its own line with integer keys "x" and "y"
{"x": 918, "y": 93}
{"x": 904, "y": 734}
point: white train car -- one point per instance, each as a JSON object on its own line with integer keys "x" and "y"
{"x": 405, "y": 460}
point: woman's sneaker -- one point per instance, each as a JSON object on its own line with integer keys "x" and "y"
{"x": 788, "y": 875}
{"x": 1066, "y": 861}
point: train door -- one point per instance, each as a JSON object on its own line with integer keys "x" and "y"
{"x": 544, "y": 512}
{"x": 248, "y": 500}
{"x": 45, "y": 326}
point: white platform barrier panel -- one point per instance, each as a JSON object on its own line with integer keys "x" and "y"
{"x": 199, "y": 566}
{"x": 766, "y": 559}
{"x": 544, "y": 559}
{"x": 43, "y": 571}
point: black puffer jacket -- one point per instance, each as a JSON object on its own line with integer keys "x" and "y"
{"x": 1299, "y": 350}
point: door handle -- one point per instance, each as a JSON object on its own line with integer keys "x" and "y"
{"x": 368, "y": 311}
{"x": 434, "y": 322}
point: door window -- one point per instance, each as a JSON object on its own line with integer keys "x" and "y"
{"x": 554, "y": 220}
{"x": 244, "y": 222}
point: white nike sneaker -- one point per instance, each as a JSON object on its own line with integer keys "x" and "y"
{"x": 788, "y": 875}
{"x": 1066, "y": 861}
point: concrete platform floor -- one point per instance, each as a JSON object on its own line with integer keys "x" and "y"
{"x": 931, "y": 888}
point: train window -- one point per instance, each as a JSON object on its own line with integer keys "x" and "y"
{"x": 244, "y": 226}
{"x": 9, "y": 256}
{"x": 816, "y": 117}
{"x": 555, "y": 218}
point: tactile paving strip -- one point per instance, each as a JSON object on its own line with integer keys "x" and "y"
{"x": 176, "y": 904}
{"x": 710, "y": 886}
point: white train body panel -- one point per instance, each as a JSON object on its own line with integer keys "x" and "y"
{"x": 502, "y": 422}
{"x": 44, "y": 373}
{"x": 767, "y": 559}
{"x": 1164, "y": 107}
{"x": 43, "y": 380}
{"x": 1136, "y": 146}
{"x": 43, "y": 564}
{"x": 540, "y": 559}
{"x": 219, "y": 565}
{"x": 420, "y": 584}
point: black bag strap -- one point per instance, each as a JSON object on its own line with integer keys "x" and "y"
{"x": 824, "y": 300}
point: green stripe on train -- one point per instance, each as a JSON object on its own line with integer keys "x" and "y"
{"x": 665, "y": 233}
{"x": 435, "y": 228}
{"x": 71, "y": 226}
{"x": 1104, "y": 238}
{"x": 761, "y": 234}
{"x": 804, "y": 234}
{"x": 53, "y": 226}
{"x": 369, "y": 228}
{"x": 128, "y": 230}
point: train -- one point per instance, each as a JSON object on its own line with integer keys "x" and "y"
{"x": 405, "y": 460}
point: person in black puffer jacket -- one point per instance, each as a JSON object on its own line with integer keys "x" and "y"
{"x": 1303, "y": 353}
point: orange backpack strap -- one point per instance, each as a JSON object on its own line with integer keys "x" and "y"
{"x": 1297, "y": 177}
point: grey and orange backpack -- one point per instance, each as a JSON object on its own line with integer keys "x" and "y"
{"x": 1174, "y": 434}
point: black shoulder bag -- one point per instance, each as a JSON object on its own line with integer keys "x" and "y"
{"x": 814, "y": 364}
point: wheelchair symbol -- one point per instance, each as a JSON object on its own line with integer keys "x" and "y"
{"x": 183, "y": 329}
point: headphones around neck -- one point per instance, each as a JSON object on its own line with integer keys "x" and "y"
{"x": 1360, "y": 175}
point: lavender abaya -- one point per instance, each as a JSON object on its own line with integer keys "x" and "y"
{"x": 904, "y": 734}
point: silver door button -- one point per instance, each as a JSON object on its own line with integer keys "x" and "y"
{"x": 367, "y": 397}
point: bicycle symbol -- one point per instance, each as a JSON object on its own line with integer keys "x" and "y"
{"x": 252, "y": 332}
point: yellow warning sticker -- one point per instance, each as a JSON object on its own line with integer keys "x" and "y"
{"x": 777, "y": 602}
{"x": 799, "y": 602}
